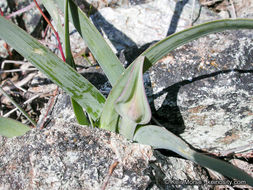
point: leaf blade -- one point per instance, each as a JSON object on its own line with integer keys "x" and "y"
{"x": 59, "y": 72}
{"x": 110, "y": 118}
{"x": 132, "y": 102}
{"x": 69, "y": 57}
{"x": 96, "y": 43}
{"x": 11, "y": 128}
{"x": 160, "y": 138}
{"x": 78, "y": 110}
{"x": 79, "y": 113}
{"x": 163, "y": 47}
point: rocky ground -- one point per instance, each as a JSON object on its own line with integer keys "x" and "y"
{"x": 202, "y": 92}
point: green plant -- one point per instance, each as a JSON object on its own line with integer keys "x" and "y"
{"x": 126, "y": 110}
{"x": 11, "y": 128}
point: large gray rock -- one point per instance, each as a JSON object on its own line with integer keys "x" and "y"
{"x": 69, "y": 156}
{"x": 142, "y": 24}
{"x": 65, "y": 155}
{"x": 204, "y": 91}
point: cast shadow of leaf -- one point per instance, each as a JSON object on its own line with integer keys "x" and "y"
{"x": 169, "y": 115}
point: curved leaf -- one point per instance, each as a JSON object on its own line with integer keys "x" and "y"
{"x": 69, "y": 57}
{"x": 109, "y": 118}
{"x": 11, "y": 128}
{"x": 160, "y": 138}
{"x": 163, "y": 47}
{"x": 132, "y": 102}
{"x": 129, "y": 98}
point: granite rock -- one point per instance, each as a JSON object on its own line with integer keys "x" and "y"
{"x": 65, "y": 155}
{"x": 142, "y": 24}
{"x": 69, "y": 156}
{"x": 203, "y": 91}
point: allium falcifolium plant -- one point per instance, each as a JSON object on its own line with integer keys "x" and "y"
{"x": 126, "y": 109}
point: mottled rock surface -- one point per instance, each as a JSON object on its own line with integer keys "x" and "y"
{"x": 203, "y": 91}
{"x": 68, "y": 156}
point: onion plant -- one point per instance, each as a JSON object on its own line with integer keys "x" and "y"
{"x": 126, "y": 109}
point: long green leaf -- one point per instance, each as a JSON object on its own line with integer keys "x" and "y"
{"x": 11, "y": 128}
{"x": 78, "y": 110}
{"x": 59, "y": 72}
{"x": 160, "y": 138}
{"x": 69, "y": 57}
{"x": 79, "y": 113}
{"x": 163, "y": 47}
{"x": 98, "y": 46}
